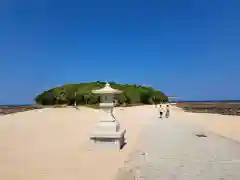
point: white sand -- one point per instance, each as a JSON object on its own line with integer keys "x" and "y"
{"x": 170, "y": 150}
{"x": 53, "y": 144}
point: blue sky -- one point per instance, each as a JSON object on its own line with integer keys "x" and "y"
{"x": 188, "y": 48}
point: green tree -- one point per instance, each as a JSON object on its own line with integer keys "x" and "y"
{"x": 82, "y": 94}
{"x": 146, "y": 97}
{"x": 121, "y": 98}
{"x": 60, "y": 95}
{"x": 80, "y": 99}
{"x": 86, "y": 98}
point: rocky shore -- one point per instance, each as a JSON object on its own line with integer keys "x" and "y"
{"x": 4, "y": 110}
{"x": 224, "y": 108}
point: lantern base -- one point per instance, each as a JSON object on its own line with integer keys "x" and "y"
{"x": 114, "y": 140}
{"x": 107, "y": 126}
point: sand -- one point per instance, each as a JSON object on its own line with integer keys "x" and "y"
{"x": 53, "y": 144}
{"x": 224, "y": 125}
{"x": 170, "y": 150}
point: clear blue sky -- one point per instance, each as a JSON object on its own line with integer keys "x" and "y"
{"x": 189, "y": 48}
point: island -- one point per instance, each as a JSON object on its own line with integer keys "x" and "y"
{"x": 81, "y": 94}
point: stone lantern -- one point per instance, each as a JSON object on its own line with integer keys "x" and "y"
{"x": 107, "y": 131}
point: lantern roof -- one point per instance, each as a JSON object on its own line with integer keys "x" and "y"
{"x": 106, "y": 90}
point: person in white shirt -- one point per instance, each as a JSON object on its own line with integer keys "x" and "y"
{"x": 161, "y": 110}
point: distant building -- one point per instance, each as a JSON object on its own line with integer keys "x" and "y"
{"x": 173, "y": 97}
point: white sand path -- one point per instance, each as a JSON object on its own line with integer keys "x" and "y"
{"x": 224, "y": 125}
{"x": 54, "y": 144}
{"x": 170, "y": 149}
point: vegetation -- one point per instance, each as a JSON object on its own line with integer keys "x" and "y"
{"x": 81, "y": 94}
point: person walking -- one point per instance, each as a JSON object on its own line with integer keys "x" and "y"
{"x": 167, "y": 111}
{"x": 160, "y": 111}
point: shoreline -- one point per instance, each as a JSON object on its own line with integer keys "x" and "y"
{"x": 5, "y": 110}
{"x": 223, "y": 108}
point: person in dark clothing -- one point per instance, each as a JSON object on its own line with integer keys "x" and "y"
{"x": 167, "y": 111}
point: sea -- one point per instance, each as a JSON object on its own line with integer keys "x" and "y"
{"x": 15, "y": 105}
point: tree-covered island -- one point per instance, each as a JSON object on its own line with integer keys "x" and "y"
{"x": 81, "y": 94}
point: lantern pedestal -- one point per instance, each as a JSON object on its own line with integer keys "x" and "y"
{"x": 113, "y": 140}
{"x": 108, "y": 132}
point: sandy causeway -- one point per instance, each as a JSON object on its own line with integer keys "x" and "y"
{"x": 54, "y": 144}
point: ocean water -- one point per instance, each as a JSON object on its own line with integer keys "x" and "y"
{"x": 15, "y": 105}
